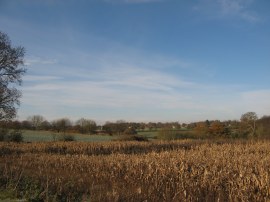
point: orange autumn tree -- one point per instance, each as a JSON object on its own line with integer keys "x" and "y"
{"x": 217, "y": 128}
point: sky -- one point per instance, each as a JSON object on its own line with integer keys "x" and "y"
{"x": 142, "y": 60}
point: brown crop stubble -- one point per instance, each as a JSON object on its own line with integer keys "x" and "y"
{"x": 201, "y": 171}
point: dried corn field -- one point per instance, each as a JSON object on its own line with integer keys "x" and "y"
{"x": 128, "y": 171}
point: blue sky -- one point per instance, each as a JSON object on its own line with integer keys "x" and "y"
{"x": 142, "y": 60}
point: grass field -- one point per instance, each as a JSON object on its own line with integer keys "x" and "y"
{"x": 48, "y": 136}
{"x": 186, "y": 170}
{"x": 149, "y": 134}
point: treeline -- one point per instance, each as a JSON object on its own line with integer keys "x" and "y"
{"x": 248, "y": 125}
{"x": 63, "y": 125}
{"x": 85, "y": 126}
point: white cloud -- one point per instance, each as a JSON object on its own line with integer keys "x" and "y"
{"x": 115, "y": 82}
{"x": 124, "y": 84}
{"x": 130, "y": 89}
{"x": 120, "y": 87}
{"x": 30, "y": 61}
{"x": 40, "y": 78}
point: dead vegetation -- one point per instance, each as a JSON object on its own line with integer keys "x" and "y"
{"x": 138, "y": 171}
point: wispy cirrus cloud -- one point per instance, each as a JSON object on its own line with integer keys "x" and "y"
{"x": 118, "y": 82}
{"x": 112, "y": 81}
{"x": 28, "y": 78}
{"x": 229, "y": 9}
{"x": 122, "y": 83}
{"x": 34, "y": 60}
{"x": 134, "y": 87}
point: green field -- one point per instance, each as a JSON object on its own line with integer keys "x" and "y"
{"x": 149, "y": 134}
{"x": 48, "y": 136}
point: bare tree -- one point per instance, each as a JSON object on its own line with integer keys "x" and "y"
{"x": 86, "y": 126}
{"x": 61, "y": 124}
{"x": 116, "y": 128}
{"x": 11, "y": 72}
{"x": 36, "y": 121}
{"x": 248, "y": 120}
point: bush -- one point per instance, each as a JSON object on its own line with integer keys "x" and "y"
{"x": 15, "y": 136}
{"x": 67, "y": 138}
{"x": 3, "y": 134}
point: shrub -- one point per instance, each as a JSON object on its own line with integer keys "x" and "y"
{"x": 3, "y": 134}
{"x": 67, "y": 138}
{"x": 15, "y": 136}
